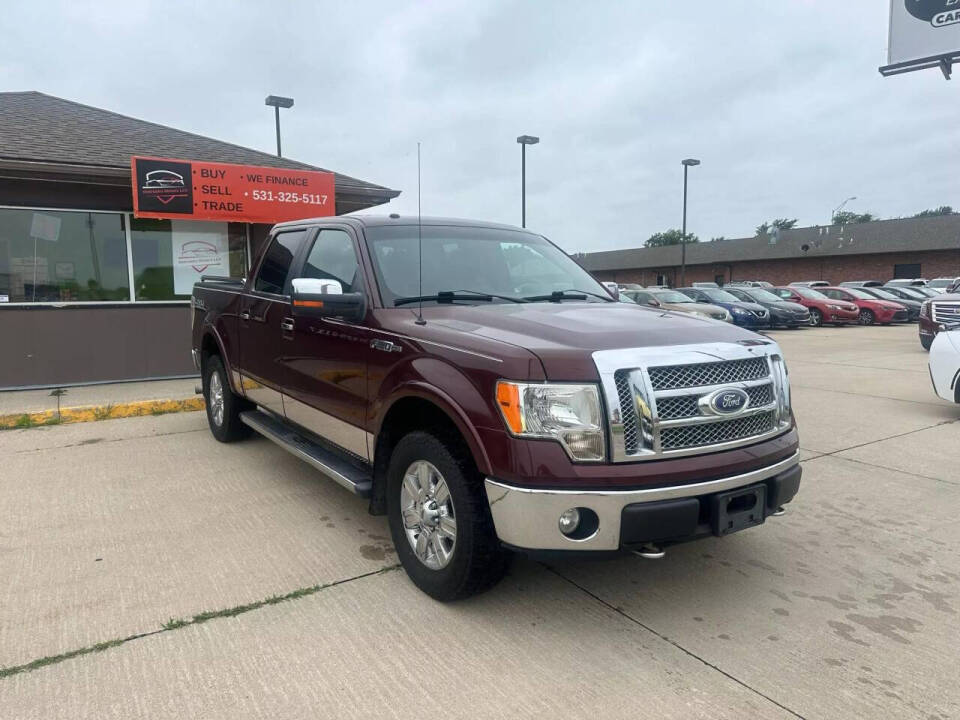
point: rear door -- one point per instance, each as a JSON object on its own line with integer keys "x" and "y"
{"x": 326, "y": 364}
{"x": 266, "y": 327}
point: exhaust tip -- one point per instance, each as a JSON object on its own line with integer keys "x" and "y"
{"x": 650, "y": 552}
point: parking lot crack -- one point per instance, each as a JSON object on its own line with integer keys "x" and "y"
{"x": 177, "y": 623}
{"x": 681, "y": 648}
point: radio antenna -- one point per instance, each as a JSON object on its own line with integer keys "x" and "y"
{"x": 420, "y": 320}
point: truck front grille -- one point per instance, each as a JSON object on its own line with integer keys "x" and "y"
{"x": 658, "y": 409}
{"x": 672, "y": 377}
{"x": 946, "y": 311}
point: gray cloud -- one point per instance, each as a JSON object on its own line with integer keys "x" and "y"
{"x": 782, "y": 102}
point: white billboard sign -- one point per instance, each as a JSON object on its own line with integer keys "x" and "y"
{"x": 923, "y": 33}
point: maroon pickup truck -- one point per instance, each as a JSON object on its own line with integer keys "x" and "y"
{"x": 488, "y": 395}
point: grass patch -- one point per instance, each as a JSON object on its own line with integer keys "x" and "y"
{"x": 53, "y": 420}
{"x": 103, "y": 412}
{"x": 177, "y": 623}
{"x": 24, "y": 421}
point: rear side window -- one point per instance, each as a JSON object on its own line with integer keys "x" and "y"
{"x": 333, "y": 257}
{"x": 275, "y": 268}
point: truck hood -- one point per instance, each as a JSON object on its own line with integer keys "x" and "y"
{"x": 565, "y": 335}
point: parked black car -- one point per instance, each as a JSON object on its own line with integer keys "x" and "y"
{"x": 782, "y": 312}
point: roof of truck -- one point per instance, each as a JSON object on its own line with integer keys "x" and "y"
{"x": 397, "y": 219}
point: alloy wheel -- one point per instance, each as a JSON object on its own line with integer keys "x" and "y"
{"x": 866, "y": 317}
{"x": 216, "y": 399}
{"x": 429, "y": 520}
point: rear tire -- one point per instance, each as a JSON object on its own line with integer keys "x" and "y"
{"x": 223, "y": 407}
{"x": 867, "y": 317}
{"x": 816, "y": 317}
{"x": 440, "y": 520}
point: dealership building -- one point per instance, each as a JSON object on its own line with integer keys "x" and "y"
{"x": 908, "y": 248}
{"x": 89, "y": 292}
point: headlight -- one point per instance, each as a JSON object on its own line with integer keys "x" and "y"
{"x": 834, "y": 307}
{"x": 701, "y": 315}
{"x": 740, "y": 311}
{"x": 925, "y": 309}
{"x": 569, "y": 414}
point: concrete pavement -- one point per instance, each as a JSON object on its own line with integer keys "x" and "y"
{"x": 845, "y": 607}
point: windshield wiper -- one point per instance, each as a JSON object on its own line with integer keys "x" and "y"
{"x": 447, "y": 296}
{"x": 560, "y": 295}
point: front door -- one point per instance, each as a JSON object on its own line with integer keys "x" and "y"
{"x": 266, "y": 323}
{"x": 327, "y": 364}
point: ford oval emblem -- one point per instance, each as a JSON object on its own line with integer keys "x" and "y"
{"x": 728, "y": 401}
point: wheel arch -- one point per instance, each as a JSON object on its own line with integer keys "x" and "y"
{"x": 418, "y": 406}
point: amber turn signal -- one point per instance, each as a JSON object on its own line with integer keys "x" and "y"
{"x": 508, "y": 398}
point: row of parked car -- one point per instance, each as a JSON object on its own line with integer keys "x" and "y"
{"x": 758, "y": 305}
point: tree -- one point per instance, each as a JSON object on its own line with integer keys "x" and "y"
{"x": 669, "y": 237}
{"x": 935, "y": 212}
{"x": 781, "y": 223}
{"x": 784, "y": 223}
{"x": 718, "y": 239}
{"x": 845, "y": 217}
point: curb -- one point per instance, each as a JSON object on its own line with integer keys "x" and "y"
{"x": 91, "y": 413}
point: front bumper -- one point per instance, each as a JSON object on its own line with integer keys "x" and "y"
{"x": 527, "y": 518}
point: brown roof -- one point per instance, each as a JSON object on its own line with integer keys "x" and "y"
{"x": 44, "y": 129}
{"x": 881, "y": 236}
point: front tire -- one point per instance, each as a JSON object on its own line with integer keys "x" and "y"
{"x": 223, "y": 407}
{"x": 867, "y": 317}
{"x": 439, "y": 519}
{"x": 816, "y": 317}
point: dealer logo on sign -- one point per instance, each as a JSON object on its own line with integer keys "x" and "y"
{"x": 164, "y": 186}
{"x": 938, "y": 13}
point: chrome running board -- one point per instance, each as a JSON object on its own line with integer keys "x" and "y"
{"x": 351, "y": 475}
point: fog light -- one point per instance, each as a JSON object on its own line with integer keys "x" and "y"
{"x": 569, "y": 521}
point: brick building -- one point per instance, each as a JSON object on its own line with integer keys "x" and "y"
{"x": 915, "y": 247}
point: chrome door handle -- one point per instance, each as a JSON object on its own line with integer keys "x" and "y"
{"x": 286, "y": 324}
{"x": 244, "y": 315}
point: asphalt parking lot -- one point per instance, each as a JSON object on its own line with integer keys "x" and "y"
{"x": 174, "y": 551}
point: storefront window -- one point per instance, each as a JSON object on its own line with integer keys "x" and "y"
{"x": 169, "y": 256}
{"x": 54, "y": 256}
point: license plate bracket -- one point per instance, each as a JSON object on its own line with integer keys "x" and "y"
{"x": 738, "y": 509}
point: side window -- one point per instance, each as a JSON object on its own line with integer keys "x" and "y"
{"x": 333, "y": 258}
{"x": 275, "y": 268}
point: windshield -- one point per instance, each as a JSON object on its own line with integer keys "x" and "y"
{"x": 810, "y": 294}
{"x": 719, "y": 295}
{"x": 637, "y": 296}
{"x": 860, "y": 294}
{"x": 883, "y": 294}
{"x": 940, "y": 282}
{"x": 672, "y": 296}
{"x": 763, "y": 295}
{"x": 497, "y": 261}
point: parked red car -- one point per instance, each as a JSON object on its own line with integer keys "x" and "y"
{"x": 823, "y": 310}
{"x": 872, "y": 310}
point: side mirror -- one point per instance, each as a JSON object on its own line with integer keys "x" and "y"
{"x": 314, "y": 298}
{"x": 653, "y": 302}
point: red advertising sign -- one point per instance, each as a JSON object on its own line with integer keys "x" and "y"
{"x": 193, "y": 190}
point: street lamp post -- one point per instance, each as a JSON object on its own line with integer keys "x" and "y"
{"x": 278, "y": 102}
{"x": 841, "y": 206}
{"x": 524, "y": 140}
{"x": 687, "y": 164}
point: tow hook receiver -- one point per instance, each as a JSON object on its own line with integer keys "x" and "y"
{"x": 649, "y": 551}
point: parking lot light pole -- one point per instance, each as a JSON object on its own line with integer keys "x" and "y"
{"x": 687, "y": 164}
{"x": 278, "y": 102}
{"x": 841, "y": 206}
{"x": 524, "y": 140}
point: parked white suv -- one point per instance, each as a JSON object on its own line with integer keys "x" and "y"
{"x": 941, "y": 284}
{"x": 945, "y": 363}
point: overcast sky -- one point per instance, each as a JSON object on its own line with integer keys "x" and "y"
{"x": 781, "y": 101}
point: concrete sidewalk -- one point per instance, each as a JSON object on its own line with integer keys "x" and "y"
{"x": 25, "y": 408}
